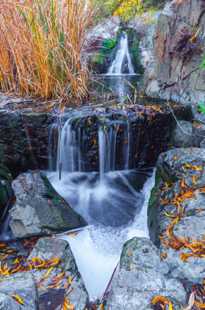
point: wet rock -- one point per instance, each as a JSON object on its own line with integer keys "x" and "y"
{"x": 23, "y": 286}
{"x": 140, "y": 277}
{"x": 177, "y": 213}
{"x": 24, "y": 141}
{"x": 183, "y": 134}
{"x": 6, "y": 192}
{"x": 63, "y": 281}
{"x": 39, "y": 209}
{"x": 25, "y": 136}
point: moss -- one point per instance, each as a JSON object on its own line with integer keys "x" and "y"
{"x": 51, "y": 193}
{"x": 153, "y": 211}
{"x": 101, "y": 60}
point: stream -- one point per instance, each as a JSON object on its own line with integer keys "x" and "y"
{"x": 114, "y": 199}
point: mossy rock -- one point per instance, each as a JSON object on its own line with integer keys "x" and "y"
{"x": 6, "y": 192}
{"x": 153, "y": 211}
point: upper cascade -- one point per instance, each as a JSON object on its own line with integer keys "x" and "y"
{"x": 122, "y": 63}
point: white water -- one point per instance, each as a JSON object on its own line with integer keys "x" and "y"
{"x": 114, "y": 203}
{"x": 97, "y": 248}
{"x": 68, "y": 152}
{"x": 122, "y": 55}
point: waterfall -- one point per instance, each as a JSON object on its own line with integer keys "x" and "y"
{"x": 127, "y": 139}
{"x": 107, "y": 149}
{"x": 122, "y": 57}
{"x": 69, "y": 154}
{"x": 113, "y": 203}
{"x": 67, "y": 149}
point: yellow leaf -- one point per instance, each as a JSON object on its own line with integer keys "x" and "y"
{"x": 18, "y": 299}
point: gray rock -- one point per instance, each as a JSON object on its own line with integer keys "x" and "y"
{"x": 202, "y": 144}
{"x": 70, "y": 285}
{"x": 183, "y": 163}
{"x": 175, "y": 166}
{"x": 176, "y": 58}
{"x": 140, "y": 277}
{"x": 22, "y": 285}
{"x": 8, "y": 303}
{"x": 199, "y": 133}
{"x": 183, "y": 135}
{"x": 39, "y": 209}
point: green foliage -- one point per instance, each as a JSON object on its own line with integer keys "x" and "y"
{"x": 126, "y": 9}
{"x": 201, "y": 107}
{"x": 109, "y": 44}
{"x": 203, "y": 63}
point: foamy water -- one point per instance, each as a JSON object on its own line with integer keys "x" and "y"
{"x": 97, "y": 248}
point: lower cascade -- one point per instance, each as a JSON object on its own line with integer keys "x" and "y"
{"x": 113, "y": 200}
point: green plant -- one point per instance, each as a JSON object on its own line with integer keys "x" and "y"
{"x": 109, "y": 44}
{"x": 203, "y": 63}
{"x": 126, "y": 9}
{"x": 201, "y": 107}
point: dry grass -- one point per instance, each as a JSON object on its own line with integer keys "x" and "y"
{"x": 41, "y": 44}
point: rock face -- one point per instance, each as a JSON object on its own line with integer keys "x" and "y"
{"x": 19, "y": 285}
{"x": 183, "y": 135}
{"x": 144, "y": 122}
{"x": 188, "y": 134}
{"x": 24, "y": 135}
{"x": 140, "y": 277}
{"x": 145, "y": 26}
{"x": 39, "y": 209}
{"x": 63, "y": 282}
{"x": 179, "y": 47}
{"x": 100, "y": 44}
{"x": 177, "y": 213}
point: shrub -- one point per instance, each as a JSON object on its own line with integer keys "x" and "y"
{"x": 126, "y": 9}
{"x": 203, "y": 63}
{"x": 41, "y": 43}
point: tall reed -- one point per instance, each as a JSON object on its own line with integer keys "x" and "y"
{"x": 41, "y": 44}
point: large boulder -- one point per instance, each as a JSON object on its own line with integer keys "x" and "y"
{"x": 59, "y": 284}
{"x": 18, "y": 292}
{"x": 178, "y": 57}
{"x": 38, "y": 209}
{"x": 141, "y": 276}
{"x": 177, "y": 213}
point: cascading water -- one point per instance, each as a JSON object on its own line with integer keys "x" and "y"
{"x": 111, "y": 201}
{"x": 122, "y": 59}
{"x": 68, "y": 151}
{"x": 121, "y": 73}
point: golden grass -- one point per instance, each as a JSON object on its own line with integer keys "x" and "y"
{"x": 41, "y": 44}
